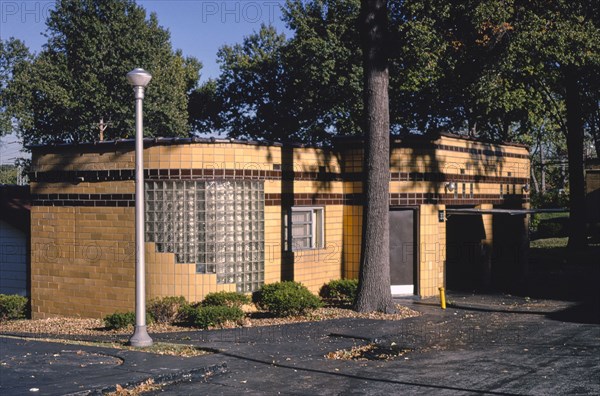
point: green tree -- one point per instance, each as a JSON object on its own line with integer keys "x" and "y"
{"x": 204, "y": 106}
{"x": 307, "y": 88}
{"x": 323, "y": 61}
{"x": 8, "y": 174}
{"x": 79, "y": 76}
{"x": 252, "y": 88}
{"x": 558, "y": 49}
{"x": 13, "y": 55}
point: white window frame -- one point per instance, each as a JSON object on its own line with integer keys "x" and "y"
{"x": 317, "y": 223}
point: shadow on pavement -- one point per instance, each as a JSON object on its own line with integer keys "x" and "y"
{"x": 586, "y": 312}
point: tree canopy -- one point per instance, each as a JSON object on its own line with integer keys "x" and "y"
{"x": 13, "y": 56}
{"x": 79, "y": 76}
{"x": 454, "y": 66}
{"x": 499, "y": 69}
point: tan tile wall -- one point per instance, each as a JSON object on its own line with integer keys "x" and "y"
{"x": 352, "y": 238}
{"x": 273, "y": 243}
{"x": 82, "y": 261}
{"x": 96, "y": 286}
{"x": 314, "y": 268}
{"x": 64, "y": 288}
{"x": 165, "y": 278}
{"x": 432, "y": 250}
{"x": 73, "y": 159}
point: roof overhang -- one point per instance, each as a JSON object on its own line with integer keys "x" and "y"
{"x": 511, "y": 212}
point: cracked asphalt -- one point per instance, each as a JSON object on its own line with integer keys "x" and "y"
{"x": 481, "y": 344}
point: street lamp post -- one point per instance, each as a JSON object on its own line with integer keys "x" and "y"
{"x": 139, "y": 79}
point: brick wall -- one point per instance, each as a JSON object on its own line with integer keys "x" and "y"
{"x": 83, "y": 212}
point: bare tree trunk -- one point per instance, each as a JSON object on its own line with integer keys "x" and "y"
{"x": 536, "y": 186}
{"x": 542, "y": 168}
{"x": 577, "y": 235}
{"x": 374, "y": 292}
{"x": 595, "y": 130}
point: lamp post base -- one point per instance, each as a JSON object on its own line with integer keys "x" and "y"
{"x": 140, "y": 337}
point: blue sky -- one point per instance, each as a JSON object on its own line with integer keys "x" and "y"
{"x": 198, "y": 27}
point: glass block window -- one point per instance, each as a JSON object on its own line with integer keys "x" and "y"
{"x": 218, "y": 225}
{"x": 304, "y": 227}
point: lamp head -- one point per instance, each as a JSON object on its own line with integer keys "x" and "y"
{"x": 139, "y": 77}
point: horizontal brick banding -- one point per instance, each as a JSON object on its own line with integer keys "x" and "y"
{"x": 114, "y": 200}
{"x": 444, "y": 177}
{"x": 471, "y": 151}
{"x": 301, "y": 199}
{"x": 256, "y": 174}
{"x": 396, "y": 199}
{"x": 87, "y": 175}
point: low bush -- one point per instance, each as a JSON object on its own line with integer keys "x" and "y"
{"x": 119, "y": 320}
{"x": 166, "y": 309}
{"x": 225, "y": 299}
{"x": 205, "y": 317}
{"x": 286, "y": 299}
{"x": 187, "y": 312}
{"x": 12, "y": 306}
{"x": 341, "y": 291}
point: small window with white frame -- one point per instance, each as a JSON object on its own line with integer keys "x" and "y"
{"x": 304, "y": 228}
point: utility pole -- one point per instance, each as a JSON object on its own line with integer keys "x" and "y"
{"x": 102, "y": 126}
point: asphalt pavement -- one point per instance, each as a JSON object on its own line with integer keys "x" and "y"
{"x": 481, "y": 344}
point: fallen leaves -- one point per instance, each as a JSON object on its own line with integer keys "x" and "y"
{"x": 146, "y": 386}
{"x": 95, "y": 327}
{"x": 370, "y": 351}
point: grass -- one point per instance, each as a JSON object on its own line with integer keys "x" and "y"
{"x": 553, "y": 253}
{"x": 549, "y": 243}
{"x": 158, "y": 348}
{"x": 551, "y": 215}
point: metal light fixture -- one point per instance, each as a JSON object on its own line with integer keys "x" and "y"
{"x": 450, "y": 186}
{"x": 526, "y": 187}
{"x": 139, "y": 79}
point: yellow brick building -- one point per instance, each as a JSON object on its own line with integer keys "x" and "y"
{"x": 232, "y": 215}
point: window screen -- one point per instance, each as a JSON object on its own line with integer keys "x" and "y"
{"x": 304, "y": 228}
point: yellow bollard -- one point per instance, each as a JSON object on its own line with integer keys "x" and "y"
{"x": 443, "y": 297}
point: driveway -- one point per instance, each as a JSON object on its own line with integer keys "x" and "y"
{"x": 481, "y": 344}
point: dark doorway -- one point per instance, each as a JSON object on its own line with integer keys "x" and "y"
{"x": 510, "y": 248}
{"x": 403, "y": 253}
{"x": 464, "y": 252}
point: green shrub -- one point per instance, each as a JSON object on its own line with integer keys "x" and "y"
{"x": 12, "y": 306}
{"x": 225, "y": 299}
{"x": 342, "y": 290}
{"x": 205, "y": 317}
{"x": 187, "y": 312}
{"x": 119, "y": 320}
{"x": 166, "y": 309}
{"x": 286, "y": 299}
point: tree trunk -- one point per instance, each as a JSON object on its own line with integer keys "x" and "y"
{"x": 595, "y": 131}
{"x": 543, "y": 168}
{"x": 577, "y": 234}
{"x": 374, "y": 292}
{"x": 536, "y": 186}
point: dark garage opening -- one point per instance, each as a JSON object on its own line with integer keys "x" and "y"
{"x": 509, "y": 254}
{"x": 469, "y": 248}
{"x": 464, "y": 252}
